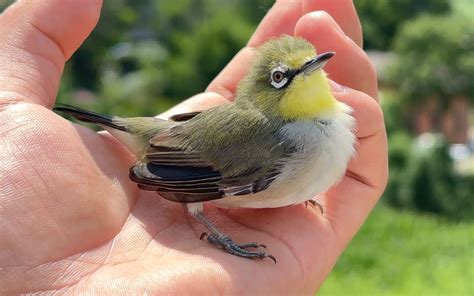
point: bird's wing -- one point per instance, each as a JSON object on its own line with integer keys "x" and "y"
{"x": 194, "y": 184}
{"x": 184, "y": 116}
{"x": 198, "y": 171}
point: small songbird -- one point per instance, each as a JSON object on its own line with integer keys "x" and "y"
{"x": 283, "y": 140}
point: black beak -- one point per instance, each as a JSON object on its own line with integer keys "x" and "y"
{"x": 316, "y": 63}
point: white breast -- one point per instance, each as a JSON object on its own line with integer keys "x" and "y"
{"x": 324, "y": 150}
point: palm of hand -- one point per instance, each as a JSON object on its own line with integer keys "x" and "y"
{"x": 71, "y": 219}
{"x": 81, "y": 220}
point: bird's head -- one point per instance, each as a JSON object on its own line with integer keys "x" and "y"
{"x": 287, "y": 80}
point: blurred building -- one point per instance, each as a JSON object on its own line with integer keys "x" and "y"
{"x": 452, "y": 120}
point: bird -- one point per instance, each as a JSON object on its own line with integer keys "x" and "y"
{"x": 282, "y": 141}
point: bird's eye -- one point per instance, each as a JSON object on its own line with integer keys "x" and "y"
{"x": 278, "y": 77}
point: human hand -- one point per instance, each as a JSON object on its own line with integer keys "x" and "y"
{"x": 70, "y": 219}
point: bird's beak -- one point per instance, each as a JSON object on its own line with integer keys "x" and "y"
{"x": 316, "y": 63}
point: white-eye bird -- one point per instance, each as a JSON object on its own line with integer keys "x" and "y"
{"x": 283, "y": 140}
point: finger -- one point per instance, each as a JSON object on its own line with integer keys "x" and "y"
{"x": 369, "y": 126}
{"x": 198, "y": 102}
{"x": 348, "y": 204}
{"x": 365, "y": 110}
{"x": 342, "y": 11}
{"x": 36, "y": 39}
{"x": 350, "y": 66}
{"x": 281, "y": 19}
{"x": 226, "y": 82}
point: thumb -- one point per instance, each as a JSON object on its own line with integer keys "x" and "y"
{"x": 36, "y": 39}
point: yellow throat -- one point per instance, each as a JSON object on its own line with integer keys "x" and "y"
{"x": 308, "y": 97}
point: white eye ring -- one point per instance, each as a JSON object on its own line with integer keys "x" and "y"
{"x": 278, "y": 78}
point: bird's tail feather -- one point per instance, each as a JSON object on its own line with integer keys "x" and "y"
{"x": 90, "y": 116}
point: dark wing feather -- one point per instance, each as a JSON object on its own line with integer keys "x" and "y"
{"x": 184, "y": 116}
{"x": 193, "y": 184}
{"x": 198, "y": 183}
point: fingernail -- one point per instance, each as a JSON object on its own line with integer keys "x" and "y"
{"x": 336, "y": 87}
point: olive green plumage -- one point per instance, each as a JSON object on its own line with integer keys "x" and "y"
{"x": 238, "y": 141}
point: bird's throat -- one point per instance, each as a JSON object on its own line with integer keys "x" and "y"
{"x": 308, "y": 97}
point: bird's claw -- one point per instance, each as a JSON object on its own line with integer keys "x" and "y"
{"x": 228, "y": 245}
{"x": 316, "y": 204}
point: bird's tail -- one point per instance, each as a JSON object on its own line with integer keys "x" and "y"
{"x": 90, "y": 116}
{"x": 133, "y": 132}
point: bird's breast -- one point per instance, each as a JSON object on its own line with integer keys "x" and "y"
{"x": 322, "y": 150}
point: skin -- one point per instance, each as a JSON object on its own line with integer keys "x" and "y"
{"x": 70, "y": 220}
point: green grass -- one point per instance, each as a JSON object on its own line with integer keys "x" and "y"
{"x": 405, "y": 253}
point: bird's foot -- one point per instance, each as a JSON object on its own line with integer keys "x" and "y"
{"x": 316, "y": 204}
{"x": 228, "y": 245}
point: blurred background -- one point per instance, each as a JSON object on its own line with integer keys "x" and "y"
{"x": 145, "y": 56}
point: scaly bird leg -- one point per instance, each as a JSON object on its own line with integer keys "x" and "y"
{"x": 223, "y": 241}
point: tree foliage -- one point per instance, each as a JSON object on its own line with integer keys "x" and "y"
{"x": 381, "y": 19}
{"x": 435, "y": 58}
{"x": 148, "y": 51}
